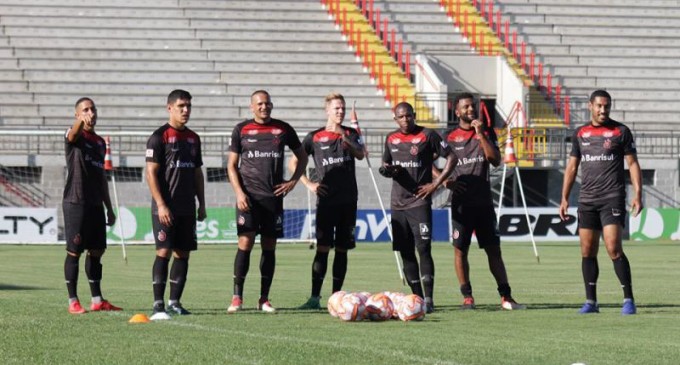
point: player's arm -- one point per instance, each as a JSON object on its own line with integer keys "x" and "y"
{"x": 110, "y": 215}
{"x": 164, "y": 214}
{"x": 242, "y": 202}
{"x": 427, "y": 189}
{"x": 77, "y": 127}
{"x": 355, "y": 147}
{"x": 636, "y": 180}
{"x": 314, "y": 187}
{"x": 286, "y": 186}
{"x": 569, "y": 179}
{"x": 491, "y": 153}
{"x": 200, "y": 194}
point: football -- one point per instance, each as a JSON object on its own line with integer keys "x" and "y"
{"x": 396, "y": 298}
{"x": 411, "y": 308}
{"x": 334, "y": 302}
{"x": 351, "y": 308}
{"x": 379, "y": 307}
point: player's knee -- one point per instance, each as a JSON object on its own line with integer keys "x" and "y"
{"x": 96, "y": 253}
{"x": 73, "y": 254}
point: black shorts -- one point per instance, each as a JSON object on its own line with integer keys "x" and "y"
{"x": 181, "y": 236}
{"x": 480, "y": 220}
{"x": 84, "y": 227}
{"x": 411, "y": 227}
{"x": 335, "y": 225}
{"x": 265, "y": 218}
{"x": 596, "y": 215}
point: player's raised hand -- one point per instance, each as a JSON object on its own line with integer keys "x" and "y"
{"x": 242, "y": 202}
{"x": 477, "y": 125}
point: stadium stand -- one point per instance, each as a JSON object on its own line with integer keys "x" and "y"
{"x": 627, "y": 47}
{"x": 129, "y": 55}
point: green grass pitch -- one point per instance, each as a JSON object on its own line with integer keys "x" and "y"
{"x": 35, "y": 327}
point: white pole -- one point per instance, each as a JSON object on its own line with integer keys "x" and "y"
{"x": 120, "y": 218}
{"x": 501, "y": 193}
{"x": 526, "y": 212}
{"x": 355, "y": 125}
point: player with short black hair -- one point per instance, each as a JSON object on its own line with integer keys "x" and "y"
{"x": 475, "y": 146}
{"x": 334, "y": 148}
{"x": 408, "y": 158}
{"x": 86, "y": 193}
{"x": 255, "y": 169}
{"x": 175, "y": 179}
{"x": 600, "y": 147}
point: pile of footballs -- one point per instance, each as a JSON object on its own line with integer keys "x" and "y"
{"x": 357, "y": 306}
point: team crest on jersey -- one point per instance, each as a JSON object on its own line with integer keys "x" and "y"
{"x": 276, "y": 141}
{"x": 76, "y": 239}
{"x": 323, "y": 139}
{"x": 162, "y": 236}
{"x": 456, "y": 234}
{"x": 607, "y": 144}
{"x": 458, "y": 139}
{"x": 414, "y": 150}
{"x": 241, "y": 220}
{"x": 276, "y": 131}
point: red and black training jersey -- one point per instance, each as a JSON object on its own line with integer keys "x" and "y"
{"x": 261, "y": 147}
{"x": 601, "y": 151}
{"x": 85, "y": 169}
{"x": 178, "y": 152}
{"x": 473, "y": 167}
{"x": 415, "y": 152}
{"x": 334, "y": 164}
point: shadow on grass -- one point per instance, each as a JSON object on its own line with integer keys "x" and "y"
{"x": 19, "y": 287}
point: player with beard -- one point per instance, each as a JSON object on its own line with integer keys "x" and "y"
{"x": 334, "y": 148}
{"x": 408, "y": 159}
{"x": 85, "y": 194}
{"x": 175, "y": 179}
{"x": 600, "y": 147}
{"x": 476, "y": 147}
{"x": 255, "y": 169}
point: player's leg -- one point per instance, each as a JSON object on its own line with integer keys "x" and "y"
{"x": 613, "y": 221}
{"x": 247, "y": 227}
{"x": 344, "y": 241}
{"x": 589, "y": 237}
{"x": 164, "y": 239}
{"x": 185, "y": 236}
{"x": 271, "y": 230}
{"x": 403, "y": 241}
{"x": 461, "y": 237}
{"x": 324, "y": 242}
{"x": 421, "y": 226}
{"x": 73, "y": 223}
{"x": 94, "y": 233}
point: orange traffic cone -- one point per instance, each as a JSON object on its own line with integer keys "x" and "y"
{"x": 108, "y": 165}
{"x": 509, "y": 150}
{"x": 139, "y": 318}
